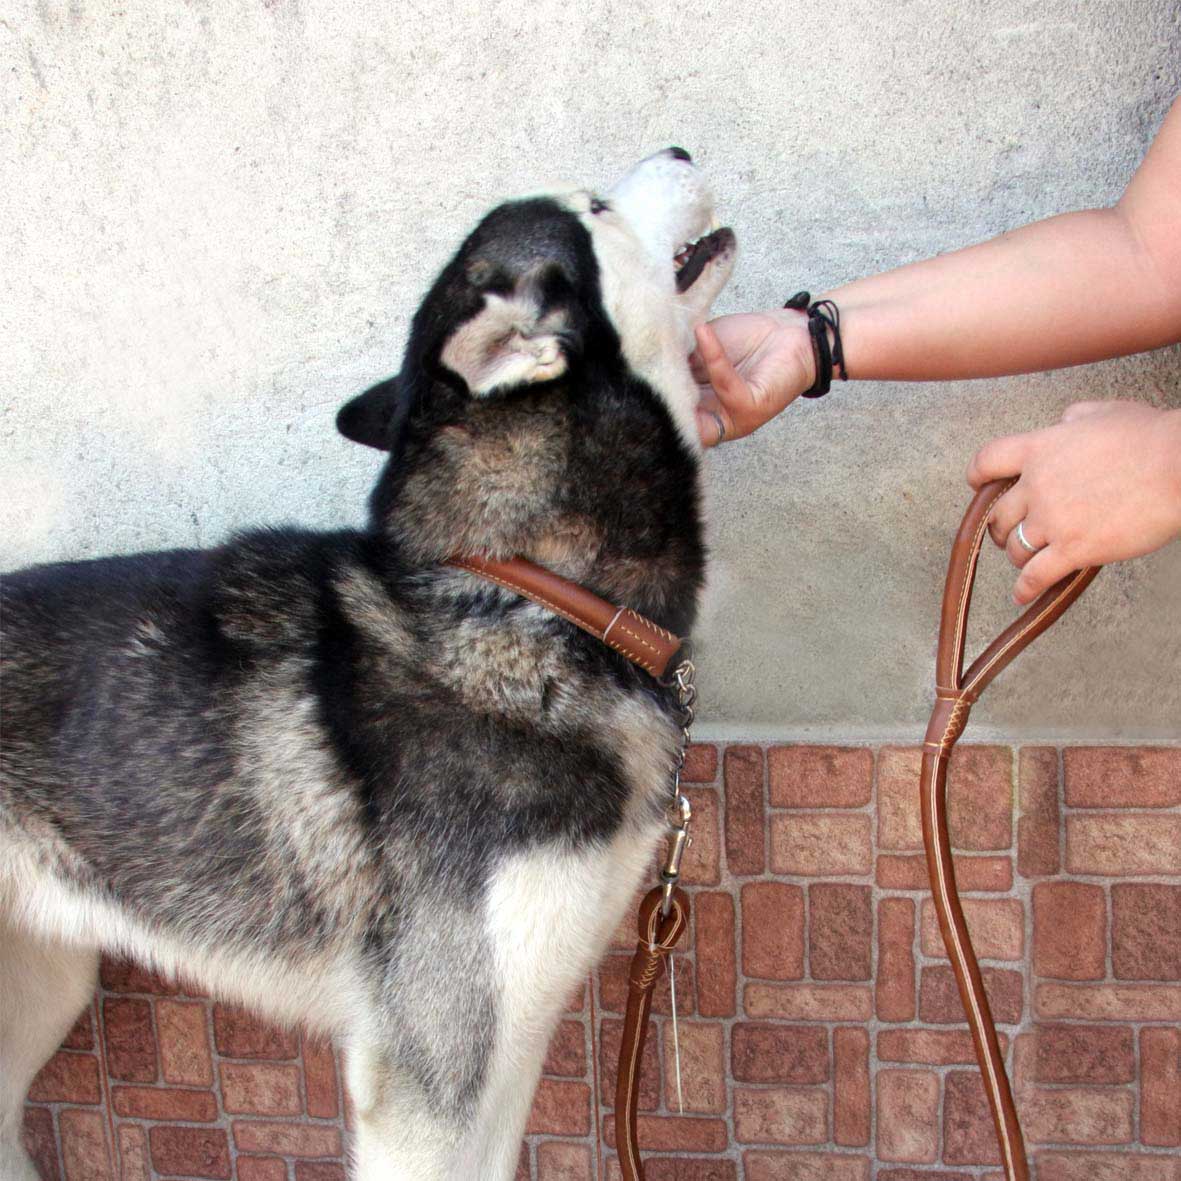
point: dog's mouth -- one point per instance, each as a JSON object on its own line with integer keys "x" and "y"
{"x": 693, "y": 257}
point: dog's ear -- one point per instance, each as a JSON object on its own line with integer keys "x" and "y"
{"x": 369, "y": 417}
{"x": 510, "y": 342}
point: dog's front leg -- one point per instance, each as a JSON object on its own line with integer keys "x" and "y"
{"x": 401, "y": 1133}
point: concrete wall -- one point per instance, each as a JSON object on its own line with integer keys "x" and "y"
{"x": 219, "y": 217}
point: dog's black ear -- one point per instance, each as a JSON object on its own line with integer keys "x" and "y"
{"x": 369, "y": 417}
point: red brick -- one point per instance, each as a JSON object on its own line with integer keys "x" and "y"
{"x": 820, "y": 776}
{"x": 851, "y": 1105}
{"x": 1078, "y": 1115}
{"x": 980, "y": 797}
{"x": 681, "y": 1168}
{"x": 907, "y": 1115}
{"x": 134, "y": 1162}
{"x": 190, "y": 1152}
{"x": 929, "y": 1047}
{"x": 804, "y": 1166}
{"x": 744, "y": 834}
{"x": 306, "y": 1170}
{"x": 1083, "y": 1054}
{"x": 126, "y": 976}
{"x": 809, "y": 1002}
{"x": 968, "y": 1136}
{"x": 39, "y": 1142}
{"x": 840, "y": 931}
{"x": 523, "y": 1170}
{"x": 996, "y": 927}
{"x": 940, "y": 1004}
{"x": 895, "y": 976}
{"x": 1107, "y": 1166}
{"x": 703, "y": 1067}
{"x": 1145, "y": 931}
{"x": 702, "y": 863}
{"x": 908, "y": 871}
{"x": 131, "y": 1046}
{"x": 1109, "y": 1002}
{"x": 1069, "y": 930}
{"x": 170, "y": 1104}
{"x": 714, "y": 945}
{"x": 922, "y": 1175}
{"x": 261, "y": 1168}
{"x": 1160, "y": 1087}
{"x": 676, "y": 1133}
{"x": 81, "y": 1035}
{"x": 613, "y": 982}
{"x": 86, "y": 1153}
{"x": 238, "y": 1034}
{"x": 560, "y": 1108}
{"x": 67, "y": 1078}
{"x": 286, "y": 1139}
{"x": 566, "y": 1055}
{"x": 701, "y": 763}
{"x": 1122, "y": 777}
{"x": 564, "y": 1162}
{"x": 184, "y": 1042}
{"x": 781, "y": 1115}
{"x": 610, "y": 1036}
{"x": 899, "y": 824}
{"x": 1115, "y": 844}
{"x": 821, "y": 844}
{"x": 1038, "y": 825}
{"x": 319, "y": 1070}
{"x": 249, "y": 1088}
{"x": 761, "y": 1053}
{"x": 773, "y": 930}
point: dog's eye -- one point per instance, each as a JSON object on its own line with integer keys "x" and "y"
{"x": 598, "y": 205}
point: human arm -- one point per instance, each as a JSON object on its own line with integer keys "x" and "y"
{"x": 1075, "y": 288}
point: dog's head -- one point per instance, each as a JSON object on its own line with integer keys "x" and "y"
{"x": 547, "y": 287}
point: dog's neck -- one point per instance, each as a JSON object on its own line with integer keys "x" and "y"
{"x": 601, "y": 491}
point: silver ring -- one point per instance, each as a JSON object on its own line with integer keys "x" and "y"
{"x": 721, "y": 425}
{"x": 1023, "y": 541}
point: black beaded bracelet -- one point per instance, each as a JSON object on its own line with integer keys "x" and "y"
{"x": 823, "y": 316}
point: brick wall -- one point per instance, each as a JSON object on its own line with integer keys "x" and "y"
{"x": 820, "y": 1033}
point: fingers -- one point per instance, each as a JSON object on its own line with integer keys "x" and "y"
{"x": 1040, "y": 573}
{"x": 1018, "y": 554}
{"x": 1000, "y": 458}
{"x": 1011, "y": 508}
{"x": 714, "y": 421}
{"x": 713, "y": 424}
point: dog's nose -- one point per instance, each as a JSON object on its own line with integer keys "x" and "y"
{"x": 679, "y": 154}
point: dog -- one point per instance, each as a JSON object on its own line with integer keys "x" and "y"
{"x": 329, "y": 777}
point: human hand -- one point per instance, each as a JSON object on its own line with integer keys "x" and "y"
{"x": 1102, "y": 485}
{"x": 748, "y": 367}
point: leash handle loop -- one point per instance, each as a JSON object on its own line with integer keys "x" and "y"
{"x": 658, "y": 934}
{"x": 955, "y": 693}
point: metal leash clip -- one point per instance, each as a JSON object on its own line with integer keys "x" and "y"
{"x": 680, "y": 813}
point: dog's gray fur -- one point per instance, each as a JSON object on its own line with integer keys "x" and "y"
{"x": 327, "y": 777}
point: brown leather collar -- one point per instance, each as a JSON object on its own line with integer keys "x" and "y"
{"x": 643, "y": 642}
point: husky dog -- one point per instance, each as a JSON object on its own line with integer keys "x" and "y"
{"x": 335, "y": 780}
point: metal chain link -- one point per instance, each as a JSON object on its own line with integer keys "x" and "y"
{"x": 680, "y": 813}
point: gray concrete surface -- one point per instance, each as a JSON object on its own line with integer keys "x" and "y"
{"x": 219, "y": 217}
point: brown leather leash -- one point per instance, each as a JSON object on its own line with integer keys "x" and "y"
{"x": 955, "y": 693}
